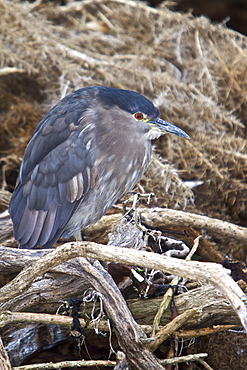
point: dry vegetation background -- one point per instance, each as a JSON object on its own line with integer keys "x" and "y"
{"x": 196, "y": 72}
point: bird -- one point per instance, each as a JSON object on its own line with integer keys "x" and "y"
{"x": 90, "y": 149}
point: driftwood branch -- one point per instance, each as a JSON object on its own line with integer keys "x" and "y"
{"x": 128, "y": 332}
{"x": 167, "y": 298}
{"x": 4, "y": 360}
{"x": 66, "y": 281}
{"x": 170, "y": 328}
{"x": 161, "y": 217}
{"x": 79, "y": 363}
{"x": 209, "y": 273}
{"x": 15, "y": 318}
{"x": 67, "y": 364}
{"x": 63, "y": 262}
{"x": 213, "y": 308}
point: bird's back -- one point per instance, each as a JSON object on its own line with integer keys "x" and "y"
{"x": 74, "y": 168}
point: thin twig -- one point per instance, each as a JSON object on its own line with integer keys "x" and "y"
{"x": 169, "y": 293}
{"x": 62, "y": 364}
{"x": 169, "y": 329}
{"x": 82, "y": 363}
{"x": 8, "y": 317}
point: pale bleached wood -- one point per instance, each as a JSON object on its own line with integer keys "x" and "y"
{"x": 94, "y": 363}
{"x": 128, "y": 332}
{"x": 4, "y": 360}
{"x": 209, "y": 273}
{"x": 164, "y": 217}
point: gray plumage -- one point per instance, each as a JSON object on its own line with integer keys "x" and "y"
{"x": 89, "y": 150}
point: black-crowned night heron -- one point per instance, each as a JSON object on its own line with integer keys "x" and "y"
{"x": 89, "y": 150}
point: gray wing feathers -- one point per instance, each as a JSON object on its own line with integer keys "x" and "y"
{"x": 42, "y": 205}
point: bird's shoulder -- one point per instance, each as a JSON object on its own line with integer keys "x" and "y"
{"x": 63, "y": 130}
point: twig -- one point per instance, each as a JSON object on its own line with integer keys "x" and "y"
{"x": 8, "y": 317}
{"x": 62, "y": 364}
{"x": 168, "y": 329}
{"x": 180, "y": 359}
{"x": 185, "y": 334}
{"x": 194, "y": 248}
{"x": 169, "y": 293}
{"x": 164, "y": 304}
{"x": 82, "y": 363}
{"x": 205, "y": 364}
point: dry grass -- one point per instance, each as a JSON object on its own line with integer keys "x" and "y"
{"x": 193, "y": 70}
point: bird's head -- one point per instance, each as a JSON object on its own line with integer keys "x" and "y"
{"x": 141, "y": 109}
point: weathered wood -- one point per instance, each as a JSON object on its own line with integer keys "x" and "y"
{"x": 65, "y": 281}
{"x": 6, "y": 228}
{"x": 213, "y": 308}
{"x": 94, "y": 363}
{"x": 161, "y": 217}
{"x": 4, "y": 360}
{"x": 206, "y": 272}
{"x": 128, "y": 332}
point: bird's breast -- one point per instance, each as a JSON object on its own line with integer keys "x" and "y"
{"x": 119, "y": 168}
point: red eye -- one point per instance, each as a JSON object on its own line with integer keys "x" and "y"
{"x": 138, "y": 115}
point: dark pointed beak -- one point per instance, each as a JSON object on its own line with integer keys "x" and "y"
{"x": 169, "y": 128}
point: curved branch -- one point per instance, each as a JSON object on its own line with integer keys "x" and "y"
{"x": 162, "y": 217}
{"x": 211, "y": 273}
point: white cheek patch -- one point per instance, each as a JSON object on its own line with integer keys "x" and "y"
{"x": 154, "y": 134}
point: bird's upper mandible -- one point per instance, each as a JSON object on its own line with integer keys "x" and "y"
{"x": 91, "y": 148}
